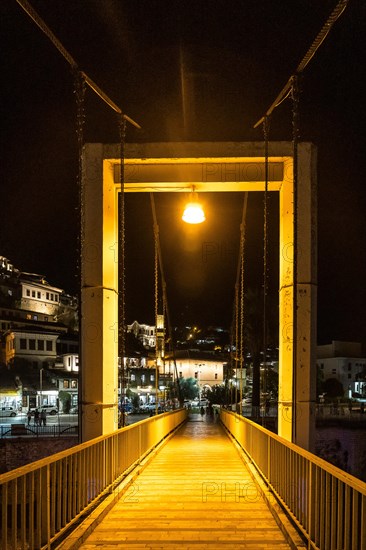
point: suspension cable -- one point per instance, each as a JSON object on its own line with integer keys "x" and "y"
{"x": 164, "y": 293}
{"x": 121, "y": 263}
{"x": 79, "y": 84}
{"x": 236, "y": 326}
{"x": 265, "y": 252}
{"x": 156, "y": 309}
{"x": 66, "y": 55}
{"x": 285, "y": 92}
{"x": 239, "y": 298}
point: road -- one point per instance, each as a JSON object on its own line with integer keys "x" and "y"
{"x": 63, "y": 419}
{"x": 71, "y": 419}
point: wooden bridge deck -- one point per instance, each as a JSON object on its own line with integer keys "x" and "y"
{"x": 195, "y": 494}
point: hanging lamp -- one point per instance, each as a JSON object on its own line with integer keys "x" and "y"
{"x": 193, "y": 212}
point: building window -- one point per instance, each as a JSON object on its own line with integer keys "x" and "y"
{"x": 28, "y": 316}
{"x": 196, "y": 374}
{"x": 23, "y": 343}
{"x": 334, "y": 371}
{"x": 47, "y": 295}
{"x": 39, "y": 295}
{"x": 152, "y": 378}
{"x": 35, "y": 317}
{"x": 32, "y": 344}
{"x": 49, "y": 345}
{"x": 215, "y": 375}
{"x": 74, "y": 384}
{"x": 46, "y": 318}
{"x": 56, "y": 297}
{"x": 66, "y": 384}
{"x": 33, "y": 293}
{"x": 142, "y": 378}
{"x": 51, "y": 296}
{"x": 133, "y": 377}
{"x": 40, "y": 345}
{"x": 28, "y": 292}
{"x": 180, "y": 374}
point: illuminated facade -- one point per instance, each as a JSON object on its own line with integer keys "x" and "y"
{"x": 144, "y": 333}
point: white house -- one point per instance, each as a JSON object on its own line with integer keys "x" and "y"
{"x": 206, "y": 368}
{"x": 36, "y": 346}
{"x": 38, "y": 296}
{"x": 144, "y": 333}
{"x": 344, "y": 362}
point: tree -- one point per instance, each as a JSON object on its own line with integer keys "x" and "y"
{"x": 217, "y": 395}
{"x": 65, "y": 399}
{"x": 333, "y": 388}
{"x": 188, "y": 388}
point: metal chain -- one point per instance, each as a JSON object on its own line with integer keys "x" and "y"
{"x": 121, "y": 258}
{"x": 79, "y": 90}
{"x": 156, "y": 295}
{"x": 237, "y": 345}
{"x": 242, "y": 242}
{"x": 265, "y": 249}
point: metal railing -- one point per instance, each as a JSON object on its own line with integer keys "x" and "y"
{"x": 42, "y": 500}
{"x": 24, "y": 430}
{"x": 327, "y": 505}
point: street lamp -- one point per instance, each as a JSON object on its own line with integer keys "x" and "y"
{"x": 40, "y": 387}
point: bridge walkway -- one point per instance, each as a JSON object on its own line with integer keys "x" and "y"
{"x": 196, "y": 494}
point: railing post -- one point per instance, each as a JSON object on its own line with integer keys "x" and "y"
{"x": 45, "y": 506}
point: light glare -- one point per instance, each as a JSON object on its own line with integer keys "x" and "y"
{"x": 193, "y": 213}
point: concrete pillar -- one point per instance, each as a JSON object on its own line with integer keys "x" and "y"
{"x": 286, "y": 298}
{"x": 306, "y": 332}
{"x": 297, "y": 379}
{"x": 99, "y": 298}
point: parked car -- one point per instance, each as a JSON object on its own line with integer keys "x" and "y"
{"x": 49, "y": 409}
{"x": 7, "y": 411}
{"x": 74, "y": 410}
{"x": 149, "y": 407}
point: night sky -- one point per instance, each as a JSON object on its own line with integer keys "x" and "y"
{"x": 237, "y": 56}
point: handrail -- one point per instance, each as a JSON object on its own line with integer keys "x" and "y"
{"x": 31, "y": 431}
{"x": 41, "y": 500}
{"x": 327, "y": 504}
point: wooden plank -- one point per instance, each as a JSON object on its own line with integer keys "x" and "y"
{"x": 196, "y": 493}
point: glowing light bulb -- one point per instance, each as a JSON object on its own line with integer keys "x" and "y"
{"x": 193, "y": 212}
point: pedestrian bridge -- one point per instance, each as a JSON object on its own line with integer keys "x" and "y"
{"x": 179, "y": 481}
